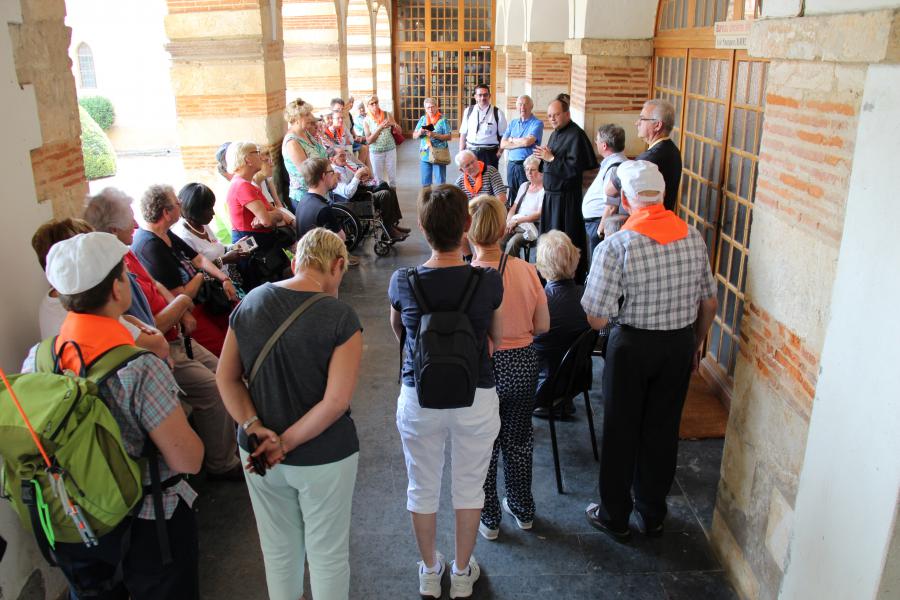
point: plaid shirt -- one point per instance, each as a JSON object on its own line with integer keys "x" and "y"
{"x": 491, "y": 182}
{"x": 662, "y": 284}
{"x": 140, "y": 396}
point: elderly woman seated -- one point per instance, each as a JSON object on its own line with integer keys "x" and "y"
{"x": 354, "y": 182}
{"x": 476, "y": 178}
{"x": 176, "y": 265}
{"x": 557, "y": 259}
{"x": 521, "y": 222}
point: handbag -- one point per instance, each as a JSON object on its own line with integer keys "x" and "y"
{"x": 270, "y": 263}
{"x": 285, "y": 236}
{"x": 213, "y": 298}
{"x": 398, "y": 137}
{"x": 438, "y": 156}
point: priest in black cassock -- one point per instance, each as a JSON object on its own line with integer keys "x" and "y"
{"x": 565, "y": 158}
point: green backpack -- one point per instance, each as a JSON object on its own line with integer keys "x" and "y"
{"x": 82, "y": 441}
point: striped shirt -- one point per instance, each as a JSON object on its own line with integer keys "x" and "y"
{"x": 140, "y": 396}
{"x": 491, "y": 183}
{"x": 662, "y": 285}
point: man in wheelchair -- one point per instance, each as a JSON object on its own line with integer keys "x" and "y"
{"x": 355, "y": 183}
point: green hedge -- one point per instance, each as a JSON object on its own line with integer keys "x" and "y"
{"x": 99, "y": 155}
{"x": 100, "y": 109}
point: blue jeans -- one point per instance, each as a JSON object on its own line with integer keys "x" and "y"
{"x": 593, "y": 236}
{"x": 432, "y": 173}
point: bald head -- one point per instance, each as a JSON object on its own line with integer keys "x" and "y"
{"x": 558, "y": 114}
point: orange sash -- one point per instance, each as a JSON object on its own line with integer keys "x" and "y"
{"x": 378, "y": 117}
{"x": 337, "y": 136}
{"x": 93, "y": 334}
{"x": 657, "y": 223}
{"x": 428, "y": 120}
{"x": 474, "y": 189}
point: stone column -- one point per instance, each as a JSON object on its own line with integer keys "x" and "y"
{"x": 360, "y": 50}
{"x": 514, "y": 77}
{"x": 547, "y": 74}
{"x": 40, "y": 49}
{"x": 610, "y": 83}
{"x": 227, "y": 76}
{"x": 312, "y": 50}
{"x": 500, "y": 96}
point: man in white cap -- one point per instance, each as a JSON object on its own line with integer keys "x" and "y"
{"x": 668, "y": 302}
{"x": 89, "y": 273}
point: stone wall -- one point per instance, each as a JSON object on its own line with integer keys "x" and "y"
{"x": 312, "y": 50}
{"x": 813, "y": 102}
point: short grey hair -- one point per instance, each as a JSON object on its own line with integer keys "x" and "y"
{"x": 109, "y": 210}
{"x": 241, "y": 151}
{"x": 526, "y": 97}
{"x": 531, "y": 161}
{"x": 432, "y": 100}
{"x": 156, "y": 200}
{"x": 557, "y": 256}
{"x": 613, "y": 136}
{"x": 459, "y": 156}
{"x": 664, "y": 112}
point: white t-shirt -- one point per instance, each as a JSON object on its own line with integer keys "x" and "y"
{"x": 480, "y": 128}
{"x": 51, "y": 315}
{"x": 211, "y": 250}
{"x": 531, "y": 203}
{"x": 595, "y": 197}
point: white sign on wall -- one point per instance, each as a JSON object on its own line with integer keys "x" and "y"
{"x": 732, "y": 35}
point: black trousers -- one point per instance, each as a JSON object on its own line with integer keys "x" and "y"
{"x": 645, "y": 381}
{"x": 144, "y": 575}
{"x": 515, "y": 177}
{"x": 488, "y": 156}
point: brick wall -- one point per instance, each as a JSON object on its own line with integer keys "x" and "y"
{"x": 610, "y": 85}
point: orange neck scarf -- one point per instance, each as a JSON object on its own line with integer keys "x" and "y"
{"x": 337, "y": 135}
{"x": 378, "y": 116}
{"x": 476, "y": 187}
{"x": 657, "y": 223}
{"x": 93, "y": 334}
{"x": 430, "y": 121}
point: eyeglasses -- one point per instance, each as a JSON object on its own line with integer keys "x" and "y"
{"x": 646, "y": 119}
{"x": 329, "y": 171}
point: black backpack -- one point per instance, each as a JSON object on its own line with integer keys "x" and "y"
{"x": 447, "y": 355}
{"x": 496, "y": 120}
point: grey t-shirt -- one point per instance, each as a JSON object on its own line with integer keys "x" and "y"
{"x": 293, "y": 378}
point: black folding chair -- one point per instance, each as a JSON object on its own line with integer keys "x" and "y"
{"x": 572, "y": 377}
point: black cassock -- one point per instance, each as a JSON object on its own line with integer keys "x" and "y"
{"x": 573, "y": 154}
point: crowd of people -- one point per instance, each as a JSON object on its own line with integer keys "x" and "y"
{"x": 227, "y": 317}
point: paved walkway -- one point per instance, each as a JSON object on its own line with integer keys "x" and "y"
{"x": 561, "y": 558}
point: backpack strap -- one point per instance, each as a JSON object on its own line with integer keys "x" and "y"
{"x": 270, "y": 343}
{"x": 415, "y": 284}
{"x": 471, "y": 286}
{"x": 497, "y": 123}
{"x": 108, "y": 363}
{"x": 44, "y": 356}
{"x": 502, "y": 266}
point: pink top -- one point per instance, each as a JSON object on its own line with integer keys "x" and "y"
{"x": 522, "y": 294}
{"x": 240, "y": 194}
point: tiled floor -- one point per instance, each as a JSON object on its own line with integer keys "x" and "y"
{"x": 561, "y": 558}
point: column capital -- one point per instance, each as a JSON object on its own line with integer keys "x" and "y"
{"x": 875, "y": 35}
{"x": 544, "y": 47}
{"x": 600, "y": 48}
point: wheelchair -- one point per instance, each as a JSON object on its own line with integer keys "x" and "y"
{"x": 359, "y": 220}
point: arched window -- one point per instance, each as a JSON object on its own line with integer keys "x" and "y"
{"x": 86, "y": 66}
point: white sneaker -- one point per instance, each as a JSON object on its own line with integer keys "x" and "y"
{"x": 430, "y": 583}
{"x": 488, "y": 533}
{"x": 461, "y": 585}
{"x": 521, "y": 524}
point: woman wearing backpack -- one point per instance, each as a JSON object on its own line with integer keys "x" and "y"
{"x": 441, "y": 283}
{"x": 302, "y": 496}
{"x": 525, "y": 315}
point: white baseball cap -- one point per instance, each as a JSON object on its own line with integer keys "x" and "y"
{"x": 80, "y": 263}
{"x": 641, "y": 176}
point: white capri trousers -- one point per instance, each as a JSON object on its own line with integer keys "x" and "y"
{"x": 385, "y": 166}
{"x": 424, "y": 432}
{"x": 304, "y": 512}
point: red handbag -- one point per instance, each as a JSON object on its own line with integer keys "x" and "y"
{"x": 398, "y": 137}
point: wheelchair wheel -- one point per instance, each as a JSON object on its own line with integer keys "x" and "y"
{"x": 350, "y": 226}
{"x": 382, "y": 248}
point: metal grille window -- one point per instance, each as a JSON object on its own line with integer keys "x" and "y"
{"x": 86, "y": 66}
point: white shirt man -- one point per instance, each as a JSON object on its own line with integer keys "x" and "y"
{"x": 597, "y": 205}
{"x": 481, "y": 128}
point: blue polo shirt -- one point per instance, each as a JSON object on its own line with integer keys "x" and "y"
{"x": 518, "y": 128}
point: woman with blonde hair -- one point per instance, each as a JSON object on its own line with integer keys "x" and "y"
{"x": 515, "y": 367}
{"x": 379, "y": 127}
{"x": 300, "y": 142}
{"x": 302, "y": 473}
{"x": 557, "y": 259}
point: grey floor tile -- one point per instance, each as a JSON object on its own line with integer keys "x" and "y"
{"x": 695, "y": 585}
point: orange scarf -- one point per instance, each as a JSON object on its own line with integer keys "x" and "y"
{"x": 338, "y": 134}
{"x": 428, "y": 120}
{"x": 95, "y": 335}
{"x": 378, "y": 117}
{"x": 657, "y": 223}
{"x": 476, "y": 187}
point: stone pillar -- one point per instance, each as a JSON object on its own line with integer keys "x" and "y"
{"x": 547, "y": 74}
{"x": 514, "y": 77}
{"x": 312, "y": 50}
{"x": 813, "y": 102}
{"x": 40, "y": 45}
{"x": 610, "y": 83}
{"x": 227, "y": 76}
{"x": 500, "y": 96}
{"x": 360, "y": 50}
